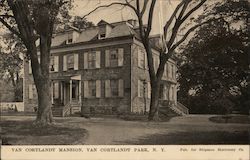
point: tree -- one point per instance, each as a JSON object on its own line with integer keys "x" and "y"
{"x": 169, "y": 42}
{"x": 10, "y": 63}
{"x": 33, "y": 20}
{"x": 215, "y": 66}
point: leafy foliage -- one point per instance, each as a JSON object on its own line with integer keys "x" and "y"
{"x": 214, "y": 71}
{"x": 11, "y": 63}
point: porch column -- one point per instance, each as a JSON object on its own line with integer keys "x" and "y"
{"x": 70, "y": 90}
{"x": 80, "y": 92}
{"x": 61, "y": 91}
{"x": 52, "y": 91}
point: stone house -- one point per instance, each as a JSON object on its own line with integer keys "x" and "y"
{"x": 102, "y": 70}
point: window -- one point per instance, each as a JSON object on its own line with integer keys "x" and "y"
{"x": 141, "y": 58}
{"x": 32, "y": 92}
{"x": 102, "y": 36}
{"x": 92, "y": 88}
{"x": 173, "y": 71}
{"x": 114, "y": 85}
{"x": 69, "y": 41}
{"x": 169, "y": 71}
{"x": 141, "y": 88}
{"x": 70, "y": 62}
{"x": 52, "y": 64}
{"x": 113, "y": 58}
{"x": 161, "y": 91}
{"x": 91, "y": 60}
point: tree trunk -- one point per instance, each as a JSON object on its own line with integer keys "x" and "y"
{"x": 44, "y": 114}
{"x": 154, "y": 102}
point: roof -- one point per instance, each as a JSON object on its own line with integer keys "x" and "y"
{"x": 117, "y": 29}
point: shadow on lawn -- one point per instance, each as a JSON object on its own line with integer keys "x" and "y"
{"x": 23, "y": 132}
{"x": 186, "y": 138}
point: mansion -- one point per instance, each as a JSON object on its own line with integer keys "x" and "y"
{"x": 103, "y": 70}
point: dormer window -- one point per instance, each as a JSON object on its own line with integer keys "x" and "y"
{"x": 102, "y": 36}
{"x": 69, "y": 41}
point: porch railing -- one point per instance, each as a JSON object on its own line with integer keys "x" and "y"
{"x": 66, "y": 109}
{"x": 182, "y": 108}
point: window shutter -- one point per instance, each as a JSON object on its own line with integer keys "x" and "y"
{"x": 85, "y": 64}
{"x": 154, "y": 60}
{"x": 86, "y": 89}
{"x": 175, "y": 93}
{"x": 30, "y": 91}
{"x": 107, "y": 57}
{"x": 98, "y": 59}
{"x": 76, "y": 61}
{"x": 56, "y": 63}
{"x": 121, "y": 88}
{"x": 107, "y": 88}
{"x": 139, "y": 57}
{"x": 65, "y": 63}
{"x": 34, "y": 92}
{"x": 139, "y": 88}
{"x": 174, "y": 70}
{"x": 169, "y": 71}
{"x": 170, "y": 93}
{"x": 56, "y": 90}
{"x": 165, "y": 70}
{"x": 146, "y": 60}
{"x": 165, "y": 92}
{"x": 120, "y": 56}
{"x": 98, "y": 88}
{"x": 149, "y": 90}
{"x": 157, "y": 61}
{"x": 30, "y": 69}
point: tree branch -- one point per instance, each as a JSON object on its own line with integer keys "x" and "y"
{"x": 171, "y": 19}
{"x": 150, "y": 17}
{"x": 6, "y": 16}
{"x": 193, "y": 9}
{"x": 144, "y": 6}
{"x": 109, "y": 5}
{"x": 10, "y": 28}
{"x": 184, "y": 8}
{"x": 189, "y": 31}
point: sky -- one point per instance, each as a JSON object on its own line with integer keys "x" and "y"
{"x": 115, "y": 14}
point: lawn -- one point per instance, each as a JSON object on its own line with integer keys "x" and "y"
{"x": 191, "y": 129}
{"x": 25, "y": 133}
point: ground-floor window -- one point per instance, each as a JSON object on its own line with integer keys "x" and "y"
{"x": 114, "y": 86}
{"x": 92, "y": 88}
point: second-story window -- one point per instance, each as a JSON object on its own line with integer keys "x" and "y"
{"x": 141, "y": 59}
{"x": 114, "y": 58}
{"x": 92, "y": 60}
{"x": 70, "y": 62}
{"x": 52, "y": 64}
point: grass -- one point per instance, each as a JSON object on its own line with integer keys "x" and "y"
{"x": 195, "y": 138}
{"x": 25, "y": 133}
{"x": 19, "y": 130}
{"x": 243, "y": 119}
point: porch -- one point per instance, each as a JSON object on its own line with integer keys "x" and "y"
{"x": 66, "y": 95}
